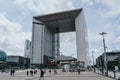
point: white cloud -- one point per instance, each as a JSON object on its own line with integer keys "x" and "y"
{"x": 112, "y": 42}
{"x": 45, "y": 6}
{"x": 118, "y": 28}
{"x": 7, "y": 25}
{"x": 89, "y": 2}
{"x": 112, "y": 7}
{"x": 95, "y": 44}
{"x": 12, "y": 38}
{"x": 20, "y": 2}
{"x": 68, "y": 44}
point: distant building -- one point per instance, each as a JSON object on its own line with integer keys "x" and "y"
{"x": 69, "y": 63}
{"x": 100, "y": 61}
{"x": 27, "y": 49}
{"x": 18, "y": 61}
{"x": 65, "y": 58}
{"x": 3, "y": 64}
{"x": 112, "y": 57}
{"x": 2, "y": 56}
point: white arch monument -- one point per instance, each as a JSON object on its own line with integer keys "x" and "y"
{"x": 45, "y": 35}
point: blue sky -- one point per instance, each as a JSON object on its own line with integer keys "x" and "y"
{"x": 100, "y": 15}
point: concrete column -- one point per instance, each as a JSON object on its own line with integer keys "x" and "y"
{"x": 37, "y": 43}
{"x": 81, "y": 38}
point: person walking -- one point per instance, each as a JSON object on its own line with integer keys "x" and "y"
{"x": 42, "y": 74}
{"x": 27, "y": 73}
{"x": 31, "y": 72}
{"x": 78, "y": 71}
{"x": 49, "y": 71}
{"x": 11, "y": 72}
{"x": 55, "y": 72}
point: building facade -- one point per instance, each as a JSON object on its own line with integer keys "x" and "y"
{"x": 18, "y": 61}
{"x": 27, "y": 49}
{"x": 45, "y": 35}
{"x": 112, "y": 59}
{"x": 3, "y": 55}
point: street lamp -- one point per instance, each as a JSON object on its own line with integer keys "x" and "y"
{"x": 105, "y": 54}
{"x": 93, "y": 60}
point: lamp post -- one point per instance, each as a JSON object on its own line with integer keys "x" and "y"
{"x": 105, "y": 54}
{"x": 93, "y": 60}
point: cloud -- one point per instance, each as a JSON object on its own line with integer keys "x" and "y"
{"x": 44, "y": 6}
{"x": 12, "y": 37}
{"x": 95, "y": 43}
{"x": 111, "y": 7}
{"x": 7, "y": 25}
{"x": 112, "y": 42}
{"x": 89, "y": 2}
{"x": 68, "y": 44}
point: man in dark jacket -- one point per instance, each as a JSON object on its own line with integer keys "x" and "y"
{"x": 42, "y": 74}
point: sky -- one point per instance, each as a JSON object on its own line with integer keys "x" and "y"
{"x": 100, "y": 16}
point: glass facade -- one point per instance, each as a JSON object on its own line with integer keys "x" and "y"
{"x": 2, "y": 56}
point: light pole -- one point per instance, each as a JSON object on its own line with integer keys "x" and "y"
{"x": 93, "y": 60}
{"x": 105, "y": 54}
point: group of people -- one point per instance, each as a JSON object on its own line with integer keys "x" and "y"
{"x": 43, "y": 72}
{"x": 72, "y": 70}
{"x": 55, "y": 72}
{"x": 31, "y": 72}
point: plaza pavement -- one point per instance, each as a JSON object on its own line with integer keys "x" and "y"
{"x": 110, "y": 74}
{"x": 21, "y": 75}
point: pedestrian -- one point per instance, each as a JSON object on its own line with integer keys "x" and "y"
{"x": 27, "y": 72}
{"x": 31, "y": 72}
{"x": 13, "y": 72}
{"x": 44, "y": 71}
{"x": 42, "y": 74}
{"x": 49, "y": 71}
{"x": 114, "y": 72}
{"x": 78, "y": 71}
{"x": 55, "y": 72}
{"x": 34, "y": 72}
{"x": 3, "y": 70}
